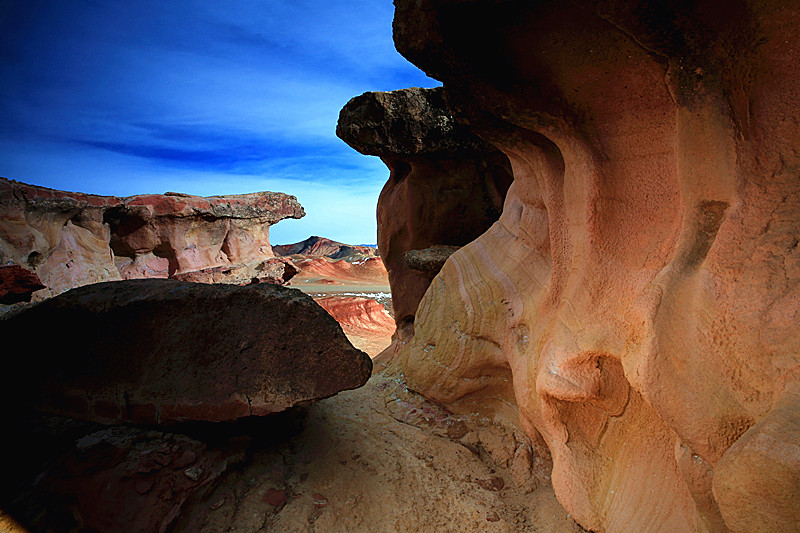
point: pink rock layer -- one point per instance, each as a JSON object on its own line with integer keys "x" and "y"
{"x": 73, "y": 239}
{"x": 318, "y": 269}
{"x": 363, "y": 317}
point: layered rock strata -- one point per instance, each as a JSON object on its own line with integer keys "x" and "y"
{"x": 366, "y": 322}
{"x": 636, "y": 304}
{"x": 446, "y": 185}
{"x": 321, "y": 247}
{"x": 161, "y": 351}
{"x": 366, "y": 272}
{"x": 72, "y": 239}
{"x": 359, "y": 316}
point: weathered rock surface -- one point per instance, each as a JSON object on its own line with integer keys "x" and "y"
{"x": 446, "y": 185}
{"x": 71, "y": 239}
{"x": 321, "y": 247}
{"x": 637, "y": 301}
{"x": 122, "y": 479}
{"x": 160, "y": 351}
{"x": 430, "y": 259}
{"x": 17, "y": 284}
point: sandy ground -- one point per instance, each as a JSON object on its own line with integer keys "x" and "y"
{"x": 383, "y": 459}
{"x": 377, "y": 459}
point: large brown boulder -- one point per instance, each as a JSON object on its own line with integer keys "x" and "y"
{"x": 637, "y": 302}
{"x": 71, "y": 239}
{"x": 159, "y": 351}
{"x": 445, "y": 188}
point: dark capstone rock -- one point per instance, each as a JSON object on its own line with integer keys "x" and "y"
{"x": 158, "y": 351}
{"x": 403, "y": 123}
{"x": 430, "y": 259}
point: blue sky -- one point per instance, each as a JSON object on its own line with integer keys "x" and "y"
{"x": 120, "y": 97}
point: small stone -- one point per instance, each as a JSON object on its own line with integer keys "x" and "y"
{"x": 319, "y": 500}
{"x": 494, "y": 483}
{"x": 143, "y": 486}
{"x": 492, "y": 516}
{"x": 185, "y": 459}
{"x": 275, "y": 497}
{"x": 193, "y": 472}
{"x": 162, "y": 459}
{"x": 217, "y": 504}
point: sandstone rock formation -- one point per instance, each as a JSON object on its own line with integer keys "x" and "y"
{"x": 367, "y": 323}
{"x": 321, "y": 247}
{"x": 160, "y": 351}
{"x": 72, "y": 239}
{"x": 321, "y": 270}
{"x": 358, "y": 315}
{"x": 17, "y": 284}
{"x": 446, "y": 185}
{"x": 637, "y": 302}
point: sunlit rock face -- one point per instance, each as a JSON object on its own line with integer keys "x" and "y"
{"x": 71, "y": 239}
{"x": 637, "y": 301}
{"x": 445, "y": 188}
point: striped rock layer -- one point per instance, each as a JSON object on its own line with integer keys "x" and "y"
{"x": 636, "y": 304}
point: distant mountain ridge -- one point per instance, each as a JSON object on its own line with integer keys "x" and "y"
{"x": 316, "y": 246}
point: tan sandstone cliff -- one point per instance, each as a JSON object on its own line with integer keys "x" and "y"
{"x": 637, "y": 303}
{"x": 71, "y": 239}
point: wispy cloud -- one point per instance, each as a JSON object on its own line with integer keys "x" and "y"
{"x": 201, "y": 96}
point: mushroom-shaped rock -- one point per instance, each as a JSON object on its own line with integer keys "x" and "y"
{"x": 69, "y": 239}
{"x": 160, "y": 351}
{"x": 446, "y": 185}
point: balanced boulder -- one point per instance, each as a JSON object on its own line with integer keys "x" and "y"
{"x": 160, "y": 351}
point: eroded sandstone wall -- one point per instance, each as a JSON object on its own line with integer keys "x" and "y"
{"x": 71, "y": 239}
{"x": 636, "y": 304}
{"x": 446, "y": 185}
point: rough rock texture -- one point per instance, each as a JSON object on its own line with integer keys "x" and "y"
{"x": 73, "y": 239}
{"x": 159, "y": 351}
{"x": 17, "y": 284}
{"x": 122, "y": 479}
{"x": 637, "y": 303}
{"x": 430, "y": 259}
{"x": 321, "y": 247}
{"x": 446, "y": 185}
